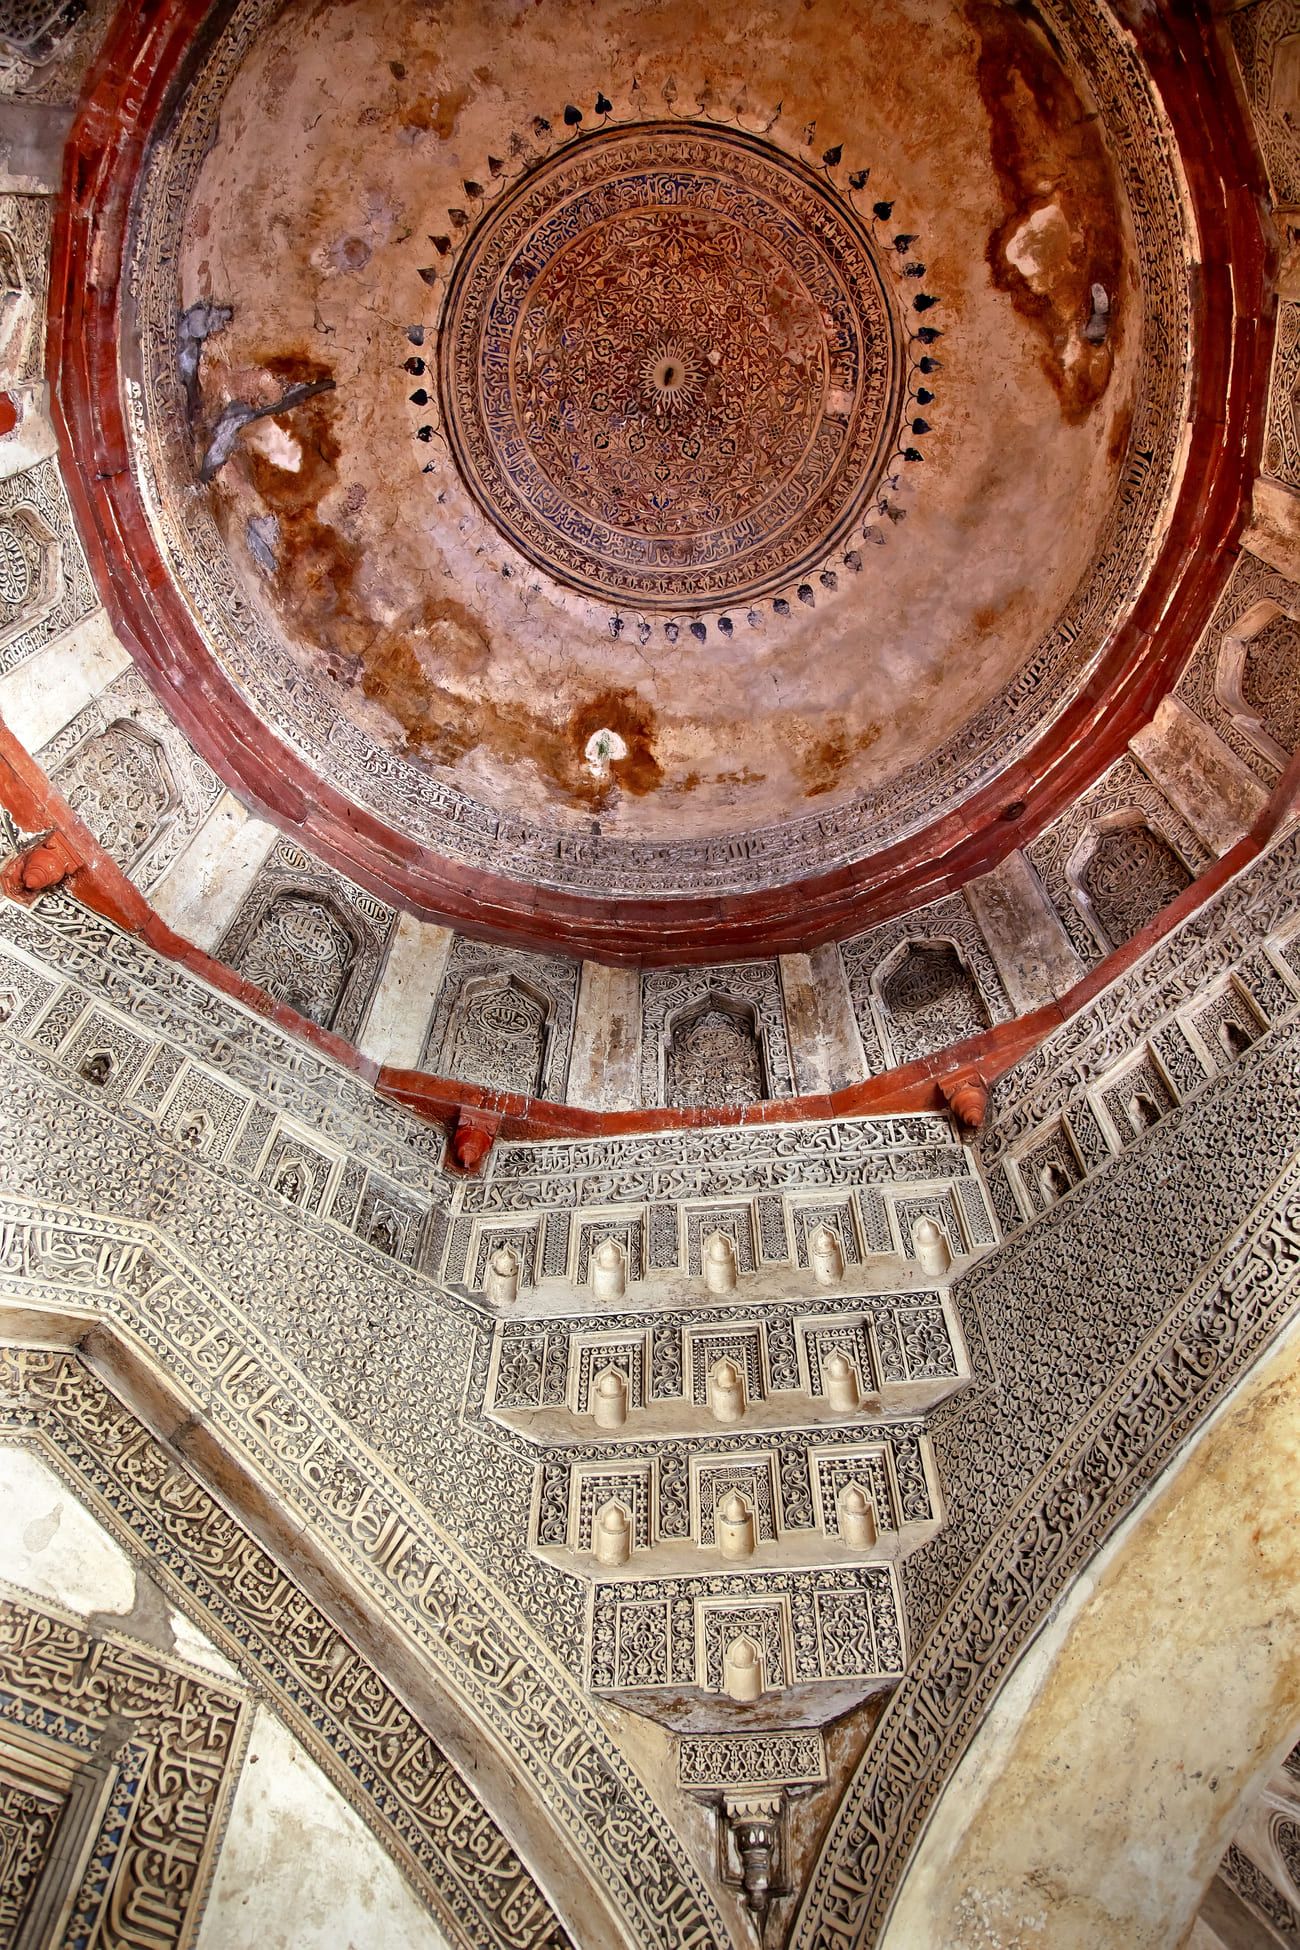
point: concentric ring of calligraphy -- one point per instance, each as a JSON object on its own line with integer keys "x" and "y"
{"x": 669, "y": 367}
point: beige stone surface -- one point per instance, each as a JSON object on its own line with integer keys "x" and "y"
{"x": 825, "y": 1043}
{"x": 1207, "y": 783}
{"x": 1024, "y": 934}
{"x": 299, "y": 1869}
{"x": 45, "y": 692}
{"x": 399, "y": 1012}
{"x": 604, "y": 1068}
{"x": 1100, "y": 1794}
{"x": 204, "y": 885}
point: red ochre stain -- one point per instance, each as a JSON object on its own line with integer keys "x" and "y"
{"x": 1046, "y": 151}
{"x": 821, "y": 765}
{"x": 422, "y": 667}
{"x": 434, "y": 114}
{"x": 988, "y": 617}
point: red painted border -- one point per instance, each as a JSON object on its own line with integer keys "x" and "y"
{"x": 126, "y": 93}
{"x": 95, "y": 879}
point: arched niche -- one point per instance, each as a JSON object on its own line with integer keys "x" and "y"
{"x": 1122, "y": 873}
{"x": 302, "y": 948}
{"x": 714, "y": 1053}
{"x": 121, "y": 784}
{"x": 499, "y": 1033}
{"x": 926, "y": 997}
{"x": 1257, "y": 679}
{"x": 1113, "y": 1768}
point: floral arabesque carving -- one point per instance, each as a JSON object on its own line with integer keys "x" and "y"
{"x": 922, "y": 982}
{"x": 714, "y": 1055}
{"x": 714, "y": 1030}
{"x": 1111, "y": 862}
{"x": 504, "y": 1018}
{"x": 310, "y": 938}
{"x": 130, "y": 774}
{"x": 375, "y": 1751}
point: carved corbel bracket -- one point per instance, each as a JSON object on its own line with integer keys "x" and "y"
{"x": 967, "y": 1097}
{"x": 43, "y": 863}
{"x": 472, "y": 1137}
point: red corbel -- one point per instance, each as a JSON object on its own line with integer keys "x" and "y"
{"x": 472, "y": 1137}
{"x": 45, "y": 862}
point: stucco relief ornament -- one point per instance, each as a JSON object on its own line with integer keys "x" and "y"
{"x": 676, "y": 364}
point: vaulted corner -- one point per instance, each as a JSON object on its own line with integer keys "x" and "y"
{"x": 649, "y": 975}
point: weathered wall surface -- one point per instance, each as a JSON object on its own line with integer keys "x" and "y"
{"x": 1107, "y": 1778}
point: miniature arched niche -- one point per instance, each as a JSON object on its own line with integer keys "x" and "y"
{"x": 927, "y": 997}
{"x": 302, "y": 949}
{"x": 714, "y": 1053}
{"x": 498, "y": 1033}
{"x": 1257, "y": 680}
{"x": 31, "y": 571}
{"x": 1122, "y": 874}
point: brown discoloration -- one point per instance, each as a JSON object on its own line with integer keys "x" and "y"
{"x": 989, "y": 616}
{"x": 1061, "y": 234}
{"x": 435, "y": 114}
{"x": 393, "y": 594}
{"x": 414, "y": 666}
{"x": 821, "y": 765}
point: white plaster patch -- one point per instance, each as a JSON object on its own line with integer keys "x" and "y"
{"x": 51, "y": 1546}
{"x": 299, "y": 1870}
{"x": 276, "y": 444}
{"x": 603, "y": 749}
{"x": 1040, "y": 245}
{"x": 33, "y": 439}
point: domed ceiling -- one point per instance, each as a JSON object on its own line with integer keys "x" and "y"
{"x": 655, "y": 453}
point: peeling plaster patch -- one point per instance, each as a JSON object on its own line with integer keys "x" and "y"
{"x": 276, "y": 444}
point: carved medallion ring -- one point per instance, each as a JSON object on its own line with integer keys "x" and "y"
{"x": 670, "y": 369}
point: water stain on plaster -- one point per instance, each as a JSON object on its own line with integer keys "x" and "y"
{"x": 1061, "y": 233}
{"x": 393, "y": 605}
{"x": 435, "y": 114}
{"x": 821, "y": 765}
{"x": 422, "y": 667}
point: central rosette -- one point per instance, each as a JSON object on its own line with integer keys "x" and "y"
{"x": 668, "y": 367}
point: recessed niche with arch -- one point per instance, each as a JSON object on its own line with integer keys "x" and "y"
{"x": 714, "y": 1053}
{"x": 926, "y": 997}
{"x": 1257, "y": 680}
{"x": 1122, "y": 873}
{"x": 120, "y": 783}
{"x": 498, "y": 1033}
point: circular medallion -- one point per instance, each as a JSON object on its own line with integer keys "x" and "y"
{"x": 670, "y": 371}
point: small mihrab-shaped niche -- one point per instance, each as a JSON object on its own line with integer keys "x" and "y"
{"x": 714, "y": 1055}
{"x": 498, "y": 1034}
{"x": 929, "y": 999}
{"x": 1127, "y": 876}
{"x": 302, "y": 952}
{"x": 121, "y": 785}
